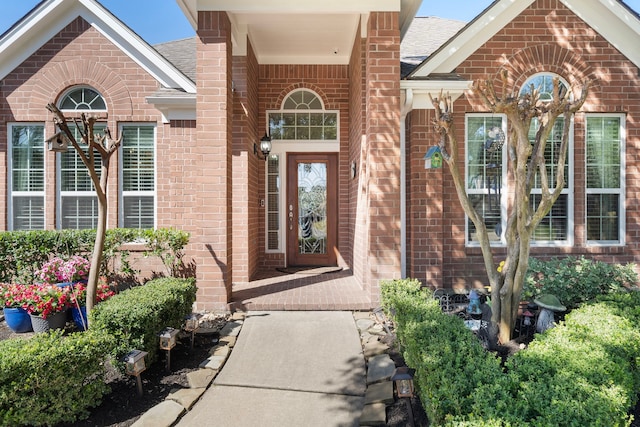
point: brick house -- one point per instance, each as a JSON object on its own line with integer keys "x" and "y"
{"x": 344, "y": 183}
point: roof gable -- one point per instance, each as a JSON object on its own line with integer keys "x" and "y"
{"x": 51, "y": 16}
{"x": 615, "y": 22}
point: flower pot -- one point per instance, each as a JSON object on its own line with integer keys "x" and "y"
{"x": 17, "y": 319}
{"x": 80, "y": 317}
{"x": 64, "y": 284}
{"x": 53, "y": 321}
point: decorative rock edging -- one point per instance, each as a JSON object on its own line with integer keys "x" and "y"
{"x": 380, "y": 368}
{"x": 168, "y": 412}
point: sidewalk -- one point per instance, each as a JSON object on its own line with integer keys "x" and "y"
{"x": 288, "y": 369}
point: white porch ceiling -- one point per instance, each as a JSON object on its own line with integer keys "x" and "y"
{"x": 298, "y": 32}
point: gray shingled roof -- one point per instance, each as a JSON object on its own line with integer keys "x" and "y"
{"x": 425, "y": 35}
{"x": 181, "y": 53}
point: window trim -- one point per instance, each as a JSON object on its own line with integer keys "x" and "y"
{"x": 121, "y": 192}
{"x": 622, "y": 190}
{"x": 10, "y": 192}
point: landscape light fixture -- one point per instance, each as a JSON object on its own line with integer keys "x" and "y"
{"x": 403, "y": 380}
{"x": 168, "y": 341}
{"x": 135, "y": 365}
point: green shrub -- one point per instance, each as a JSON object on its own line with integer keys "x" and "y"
{"x": 136, "y": 316}
{"x": 576, "y": 280}
{"x": 582, "y": 372}
{"x": 23, "y": 252}
{"x": 49, "y": 379}
{"x": 449, "y": 361}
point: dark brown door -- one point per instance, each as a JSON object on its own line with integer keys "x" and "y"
{"x": 311, "y": 209}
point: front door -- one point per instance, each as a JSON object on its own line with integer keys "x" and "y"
{"x": 311, "y": 209}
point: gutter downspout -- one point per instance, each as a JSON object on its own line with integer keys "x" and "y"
{"x": 406, "y": 108}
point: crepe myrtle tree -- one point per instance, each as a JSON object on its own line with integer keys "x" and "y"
{"x": 526, "y": 166}
{"x": 105, "y": 145}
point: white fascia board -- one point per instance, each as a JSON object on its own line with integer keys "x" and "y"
{"x": 423, "y": 90}
{"x": 18, "y": 44}
{"x": 174, "y": 107}
{"x": 465, "y": 43}
{"x": 297, "y": 6}
{"x": 36, "y": 30}
{"x": 612, "y": 21}
{"x": 188, "y": 7}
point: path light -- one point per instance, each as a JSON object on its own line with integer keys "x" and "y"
{"x": 135, "y": 365}
{"x": 191, "y": 324}
{"x": 403, "y": 380}
{"x": 168, "y": 341}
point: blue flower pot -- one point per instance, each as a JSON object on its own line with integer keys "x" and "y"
{"x": 18, "y": 320}
{"x": 80, "y": 316}
{"x": 64, "y": 284}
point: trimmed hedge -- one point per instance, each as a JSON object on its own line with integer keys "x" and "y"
{"x": 582, "y": 372}
{"x": 50, "y": 379}
{"x": 136, "y": 316}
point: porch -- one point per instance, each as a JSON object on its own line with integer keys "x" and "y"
{"x": 312, "y": 288}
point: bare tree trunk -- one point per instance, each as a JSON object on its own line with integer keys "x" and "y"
{"x": 106, "y": 146}
{"x": 526, "y": 159}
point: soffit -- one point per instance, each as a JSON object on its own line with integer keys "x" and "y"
{"x": 298, "y": 32}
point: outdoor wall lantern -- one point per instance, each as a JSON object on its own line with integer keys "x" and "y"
{"x": 403, "y": 380}
{"x": 265, "y": 147}
{"x": 58, "y": 142}
{"x": 433, "y": 158}
{"x": 135, "y": 365}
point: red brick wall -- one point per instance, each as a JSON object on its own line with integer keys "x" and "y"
{"x": 382, "y": 96}
{"x": 211, "y": 157}
{"x": 425, "y": 240}
{"x": 548, "y": 37}
{"x": 356, "y": 157}
{"x": 247, "y": 217}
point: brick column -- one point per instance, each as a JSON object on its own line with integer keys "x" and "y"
{"x": 211, "y": 172}
{"x": 382, "y": 129}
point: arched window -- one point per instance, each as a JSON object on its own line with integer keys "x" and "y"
{"x": 82, "y": 98}
{"x": 303, "y": 117}
{"x": 543, "y": 83}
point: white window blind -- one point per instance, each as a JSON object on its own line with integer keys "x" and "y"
{"x": 137, "y": 175}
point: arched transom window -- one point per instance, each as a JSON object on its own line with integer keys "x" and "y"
{"x": 303, "y": 117}
{"x": 543, "y": 83}
{"x": 82, "y": 98}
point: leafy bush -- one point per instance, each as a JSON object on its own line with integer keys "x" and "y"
{"x": 50, "y": 379}
{"x": 576, "y": 280}
{"x": 582, "y": 372}
{"x": 22, "y": 253}
{"x": 136, "y": 316}
{"x": 168, "y": 245}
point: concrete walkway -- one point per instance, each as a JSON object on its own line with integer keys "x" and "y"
{"x": 288, "y": 369}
